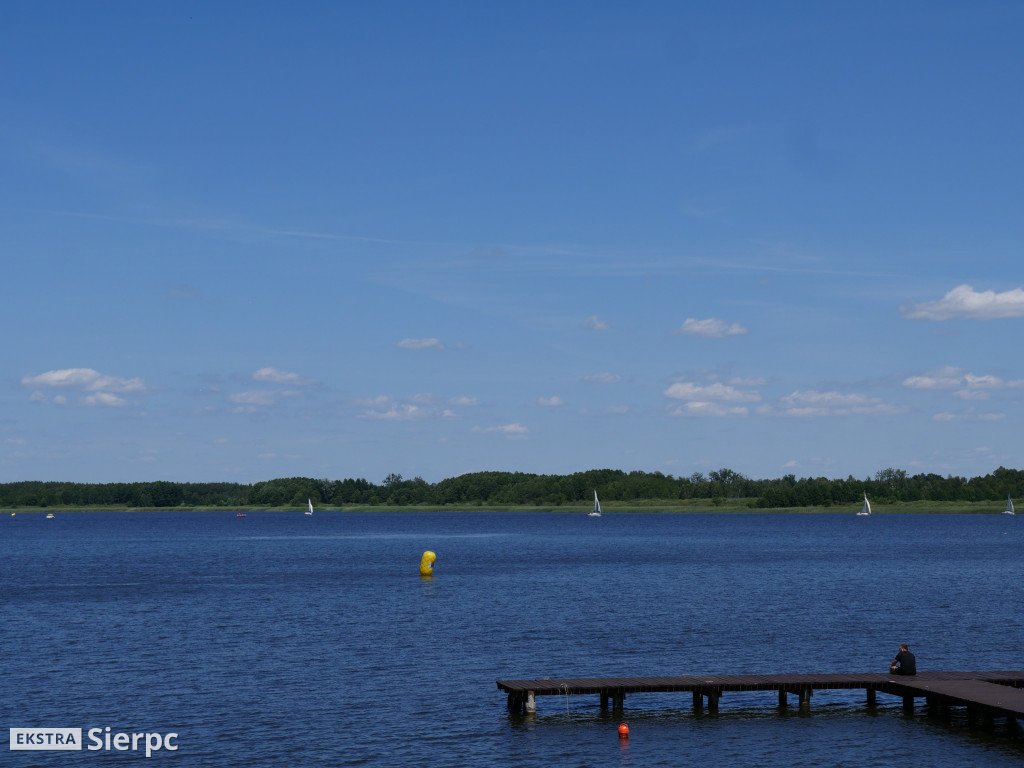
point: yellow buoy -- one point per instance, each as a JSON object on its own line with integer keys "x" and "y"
{"x": 427, "y": 563}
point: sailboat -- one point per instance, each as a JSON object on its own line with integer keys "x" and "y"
{"x": 310, "y": 510}
{"x": 1009, "y": 507}
{"x": 866, "y": 509}
{"x": 596, "y": 511}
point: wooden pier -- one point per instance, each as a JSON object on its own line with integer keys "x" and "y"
{"x": 986, "y": 695}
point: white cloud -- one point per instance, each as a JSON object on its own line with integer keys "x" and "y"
{"x": 251, "y": 400}
{"x": 967, "y": 384}
{"x": 550, "y": 402}
{"x": 421, "y": 344}
{"x": 467, "y": 401}
{"x": 601, "y": 378}
{"x": 380, "y": 401}
{"x": 707, "y": 408}
{"x": 594, "y": 323}
{"x": 813, "y": 403}
{"x": 396, "y": 412}
{"x": 686, "y": 390}
{"x": 100, "y": 386}
{"x": 990, "y": 382}
{"x": 253, "y": 397}
{"x": 385, "y": 408}
{"x": 277, "y": 377}
{"x": 972, "y": 394}
{"x": 85, "y": 379}
{"x": 963, "y": 302}
{"x": 511, "y": 431}
{"x": 712, "y": 328}
{"x": 939, "y": 378}
{"x": 968, "y": 416}
{"x": 714, "y": 399}
{"x": 104, "y": 398}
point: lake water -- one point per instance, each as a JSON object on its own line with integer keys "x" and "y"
{"x": 284, "y": 640}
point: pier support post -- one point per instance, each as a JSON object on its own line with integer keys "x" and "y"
{"x": 604, "y": 700}
{"x": 698, "y": 700}
{"x": 805, "y": 698}
{"x": 782, "y": 698}
{"x": 908, "y": 703}
{"x": 713, "y": 697}
{"x": 618, "y": 700}
{"x": 871, "y": 697}
{"x": 531, "y": 703}
{"x": 937, "y": 707}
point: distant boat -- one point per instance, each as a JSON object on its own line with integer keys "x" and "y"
{"x": 49, "y": 515}
{"x": 1009, "y": 507}
{"x": 310, "y": 510}
{"x": 866, "y": 509}
{"x": 240, "y": 514}
{"x": 596, "y": 511}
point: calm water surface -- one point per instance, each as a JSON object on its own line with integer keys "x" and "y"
{"x": 286, "y": 640}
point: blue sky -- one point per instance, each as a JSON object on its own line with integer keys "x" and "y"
{"x": 246, "y": 241}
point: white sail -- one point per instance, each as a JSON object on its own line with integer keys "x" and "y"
{"x": 310, "y": 502}
{"x": 866, "y": 509}
{"x": 596, "y": 511}
{"x": 1009, "y": 507}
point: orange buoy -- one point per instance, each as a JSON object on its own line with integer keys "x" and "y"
{"x": 623, "y": 731}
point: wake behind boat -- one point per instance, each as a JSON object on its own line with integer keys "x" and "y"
{"x": 866, "y": 509}
{"x": 596, "y": 511}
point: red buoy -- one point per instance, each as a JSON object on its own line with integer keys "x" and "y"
{"x": 623, "y": 731}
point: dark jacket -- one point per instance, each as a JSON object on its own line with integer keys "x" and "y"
{"x": 906, "y": 663}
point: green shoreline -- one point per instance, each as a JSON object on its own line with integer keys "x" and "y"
{"x": 658, "y": 506}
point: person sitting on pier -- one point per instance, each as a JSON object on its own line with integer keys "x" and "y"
{"x": 904, "y": 663}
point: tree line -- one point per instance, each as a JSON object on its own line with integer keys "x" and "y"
{"x": 521, "y": 488}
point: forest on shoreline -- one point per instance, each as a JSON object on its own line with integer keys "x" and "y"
{"x": 888, "y": 486}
